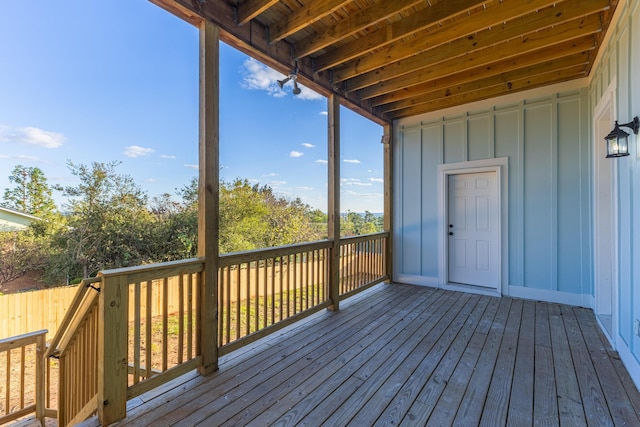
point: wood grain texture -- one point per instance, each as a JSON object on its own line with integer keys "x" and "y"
{"x": 407, "y": 355}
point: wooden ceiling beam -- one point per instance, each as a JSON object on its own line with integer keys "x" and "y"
{"x": 250, "y": 9}
{"x": 358, "y": 64}
{"x": 396, "y": 31}
{"x": 493, "y": 16}
{"x": 549, "y": 17}
{"x": 443, "y": 81}
{"x": 312, "y": 12}
{"x": 512, "y": 48}
{"x": 571, "y": 65}
{"x": 488, "y": 92}
{"x": 352, "y": 25}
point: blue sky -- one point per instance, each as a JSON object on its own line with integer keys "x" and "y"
{"x": 117, "y": 80}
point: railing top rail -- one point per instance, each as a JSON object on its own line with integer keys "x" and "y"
{"x": 21, "y": 340}
{"x": 261, "y": 254}
{"x": 71, "y": 313}
{"x": 169, "y": 265}
{"x": 364, "y": 237}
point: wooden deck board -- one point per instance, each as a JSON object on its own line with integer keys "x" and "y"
{"x": 400, "y": 354}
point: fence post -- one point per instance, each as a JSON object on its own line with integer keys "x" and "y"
{"x": 112, "y": 349}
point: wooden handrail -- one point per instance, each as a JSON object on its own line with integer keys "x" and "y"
{"x": 156, "y": 271}
{"x": 227, "y": 260}
{"x": 71, "y": 314}
{"x": 363, "y": 238}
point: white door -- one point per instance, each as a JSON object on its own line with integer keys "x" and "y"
{"x": 473, "y": 229}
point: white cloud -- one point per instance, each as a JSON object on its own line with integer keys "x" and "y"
{"x": 31, "y": 136}
{"x": 304, "y": 188}
{"x": 376, "y": 179}
{"x": 21, "y": 157}
{"x": 134, "y": 151}
{"x": 191, "y": 166}
{"x": 271, "y": 174}
{"x": 274, "y": 183}
{"x": 308, "y": 95}
{"x": 257, "y": 76}
{"x": 324, "y": 113}
{"x": 296, "y": 154}
{"x": 355, "y": 181}
{"x": 308, "y": 145}
{"x": 351, "y": 161}
{"x": 322, "y": 161}
{"x": 150, "y": 180}
{"x": 166, "y": 156}
{"x": 363, "y": 195}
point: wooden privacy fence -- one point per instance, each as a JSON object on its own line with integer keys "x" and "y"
{"x": 34, "y": 310}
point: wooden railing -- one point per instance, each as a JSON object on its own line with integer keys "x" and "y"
{"x": 22, "y": 379}
{"x": 149, "y": 336}
{"x": 130, "y": 330}
{"x": 264, "y": 290}
{"x": 362, "y": 262}
{"x": 75, "y": 346}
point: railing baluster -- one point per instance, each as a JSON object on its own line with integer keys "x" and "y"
{"x": 273, "y": 290}
{"x": 190, "y": 316}
{"x": 165, "y": 323}
{"x": 237, "y": 298}
{"x": 281, "y": 282}
{"x": 248, "y": 300}
{"x": 8, "y": 383}
{"x": 136, "y": 332}
{"x": 265, "y": 306}
{"x": 180, "y": 318}
{"x": 148, "y": 351}
{"x": 257, "y": 296}
{"x": 228, "y": 307}
{"x": 23, "y": 361}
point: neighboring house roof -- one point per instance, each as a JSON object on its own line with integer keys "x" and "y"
{"x": 12, "y": 220}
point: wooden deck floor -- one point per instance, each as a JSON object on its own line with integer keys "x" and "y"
{"x": 412, "y": 356}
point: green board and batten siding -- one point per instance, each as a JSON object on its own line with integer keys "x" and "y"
{"x": 547, "y": 144}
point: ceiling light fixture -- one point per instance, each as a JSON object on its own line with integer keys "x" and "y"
{"x": 292, "y": 76}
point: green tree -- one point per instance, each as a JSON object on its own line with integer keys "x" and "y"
{"x": 109, "y": 225}
{"x": 30, "y": 192}
{"x": 20, "y": 253}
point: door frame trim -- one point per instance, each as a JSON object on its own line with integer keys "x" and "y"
{"x": 606, "y": 106}
{"x": 501, "y": 168}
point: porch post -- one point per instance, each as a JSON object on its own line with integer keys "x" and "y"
{"x": 387, "y": 141}
{"x": 333, "y": 222}
{"x": 208, "y": 193}
{"x": 113, "y": 306}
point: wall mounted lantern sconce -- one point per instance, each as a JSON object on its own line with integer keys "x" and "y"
{"x": 617, "y": 140}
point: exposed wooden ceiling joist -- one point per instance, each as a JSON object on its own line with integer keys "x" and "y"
{"x": 388, "y": 59}
{"x": 519, "y": 28}
{"x": 526, "y": 46}
{"x": 351, "y": 25}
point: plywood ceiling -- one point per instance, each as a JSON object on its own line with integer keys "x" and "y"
{"x": 390, "y": 59}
